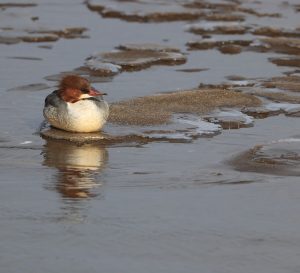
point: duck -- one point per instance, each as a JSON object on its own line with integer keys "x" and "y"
{"x": 76, "y": 106}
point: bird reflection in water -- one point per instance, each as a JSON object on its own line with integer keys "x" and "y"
{"x": 78, "y": 167}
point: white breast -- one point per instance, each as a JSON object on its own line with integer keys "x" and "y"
{"x": 83, "y": 116}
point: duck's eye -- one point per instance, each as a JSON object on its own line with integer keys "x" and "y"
{"x": 85, "y": 90}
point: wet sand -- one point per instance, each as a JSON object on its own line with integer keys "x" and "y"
{"x": 197, "y": 168}
{"x": 159, "y": 109}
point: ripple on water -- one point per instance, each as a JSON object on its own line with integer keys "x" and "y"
{"x": 30, "y": 87}
{"x": 17, "y": 5}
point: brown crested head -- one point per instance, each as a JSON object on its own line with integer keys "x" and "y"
{"x": 73, "y": 88}
{"x": 74, "y": 82}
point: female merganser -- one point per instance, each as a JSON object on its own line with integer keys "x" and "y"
{"x": 76, "y": 106}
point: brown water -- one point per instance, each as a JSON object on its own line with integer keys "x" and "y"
{"x": 176, "y": 204}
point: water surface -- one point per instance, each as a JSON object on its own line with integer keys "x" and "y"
{"x": 158, "y": 206}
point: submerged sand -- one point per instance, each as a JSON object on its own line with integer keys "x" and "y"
{"x": 279, "y": 157}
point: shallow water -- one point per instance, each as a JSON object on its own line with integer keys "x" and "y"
{"x": 165, "y": 205}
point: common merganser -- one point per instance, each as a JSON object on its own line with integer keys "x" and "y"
{"x": 76, "y": 106}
